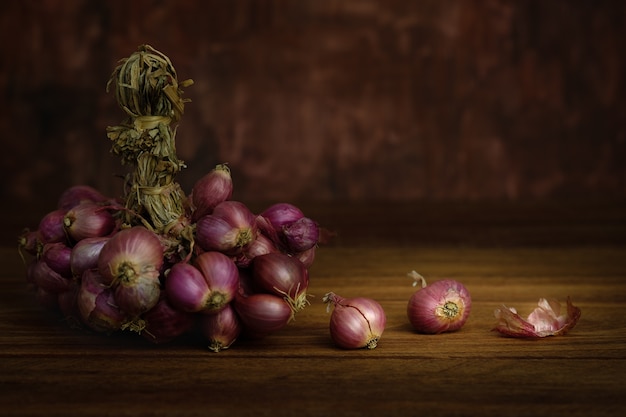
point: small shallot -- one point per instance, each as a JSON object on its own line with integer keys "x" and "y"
{"x": 442, "y": 306}
{"x": 85, "y": 254}
{"x": 222, "y": 278}
{"x": 545, "y": 320}
{"x": 130, "y": 263}
{"x": 51, "y": 228}
{"x": 88, "y": 219}
{"x": 262, "y": 314}
{"x": 355, "y": 323}
{"x": 96, "y": 304}
{"x": 228, "y": 229}
{"x": 77, "y": 194}
{"x": 210, "y": 190}
{"x": 163, "y": 323}
{"x": 57, "y": 256}
{"x": 220, "y": 330}
{"x": 284, "y": 276}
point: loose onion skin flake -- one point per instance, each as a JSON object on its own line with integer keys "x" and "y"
{"x": 545, "y": 320}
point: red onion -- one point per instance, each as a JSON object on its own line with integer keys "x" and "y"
{"x": 45, "y": 277}
{"x": 262, "y": 314}
{"x": 28, "y": 241}
{"x": 85, "y": 254}
{"x": 222, "y": 278}
{"x": 210, "y": 190}
{"x": 96, "y": 304}
{"x": 88, "y": 219}
{"x": 300, "y": 235}
{"x": 77, "y": 194}
{"x": 138, "y": 295}
{"x": 163, "y": 323}
{"x": 282, "y": 214}
{"x": 442, "y": 306}
{"x": 229, "y": 229}
{"x": 186, "y": 288}
{"x": 284, "y": 276}
{"x": 355, "y": 322}
{"x": 130, "y": 253}
{"x": 220, "y": 330}
{"x": 261, "y": 245}
{"x": 51, "y": 228}
{"x": 130, "y": 262}
{"x": 57, "y": 257}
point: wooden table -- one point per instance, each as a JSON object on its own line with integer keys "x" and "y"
{"x": 507, "y": 254}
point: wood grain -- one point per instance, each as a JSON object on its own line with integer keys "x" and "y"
{"x": 49, "y": 369}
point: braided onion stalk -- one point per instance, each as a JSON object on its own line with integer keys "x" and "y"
{"x": 147, "y": 90}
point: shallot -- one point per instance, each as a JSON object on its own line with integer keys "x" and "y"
{"x": 88, "y": 219}
{"x": 284, "y": 276}
{"x": 228, "y": 229}
{"x": 97, "y": 306}
{"x": 163, "y": 323}
{"x": 220, "y": 330}
{"x": 51, "y": 228}
{"x": 442, "y": 306}
{"x": 210, "y": 190}
{"x": 130, "y": 263}
{"x": 262, "y": 314}
{"x": 355, "y": 323}
{"x": 77, "y": 194}
{"x": 207, "y": 286}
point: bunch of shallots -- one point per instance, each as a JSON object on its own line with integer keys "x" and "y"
{"x": 245, "y": 274}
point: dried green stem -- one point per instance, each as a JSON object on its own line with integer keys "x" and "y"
{"x": 147, "y": 89}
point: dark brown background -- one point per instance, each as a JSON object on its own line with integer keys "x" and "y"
{"x": 329, "y": 100}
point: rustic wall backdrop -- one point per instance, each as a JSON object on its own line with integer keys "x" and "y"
{"x": 329, "y": 99}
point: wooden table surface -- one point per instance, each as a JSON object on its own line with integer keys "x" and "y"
{"x": 507, "y": 254}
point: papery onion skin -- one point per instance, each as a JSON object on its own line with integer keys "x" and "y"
{"x": 222, "y": 277}
{"x": 88, "y": 219}
{"x": 262, "y": 314}
{"x": 139, "y": 295}
{"x": 544, "y": 321}
{"x": 220, "y": 330}
{"x": 96, "y": 304}
{"x": 164, "y": 323}
{"x": 300, "y": 235}
{"x": 442, "y": 306}
{"x": 355, "y": 323}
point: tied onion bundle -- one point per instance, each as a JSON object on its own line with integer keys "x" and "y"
{"x": 157, "y": 261}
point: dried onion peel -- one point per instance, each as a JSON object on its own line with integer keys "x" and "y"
{"x": 545, "y": 320}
